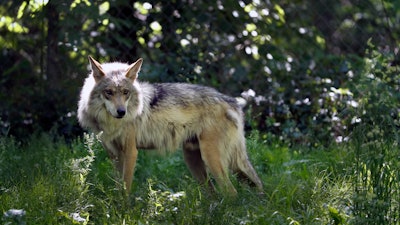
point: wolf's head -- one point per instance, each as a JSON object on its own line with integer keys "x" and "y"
{"x": 116, "y": 86}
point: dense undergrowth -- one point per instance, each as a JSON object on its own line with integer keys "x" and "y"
{"x": 47, "y": 181}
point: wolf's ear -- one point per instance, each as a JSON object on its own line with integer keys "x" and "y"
{"x": 134, "y": 69}
{"x": 98, "y": 72}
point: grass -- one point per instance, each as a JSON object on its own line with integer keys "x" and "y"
{"x": 52, "y": 182}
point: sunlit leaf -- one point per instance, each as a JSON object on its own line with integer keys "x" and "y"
{"x": 104, "y": 7}
{"x": 248, "y": 8}
{"x": 77, "y": 2}
{"x": 251, "y": 27}
{"x": 12, "y": 26}
{"x": 320, "y": 40}
{"x": 21, "y": 10}
{"x": 280, "y": 11}
{"x": 155, "y": 26}
{"x": 141, "y": 7}
{"x": 105, "y": 22}
{"x": 141, "y": 40}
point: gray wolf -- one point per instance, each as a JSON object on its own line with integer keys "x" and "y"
{"x": 134, "y": 115}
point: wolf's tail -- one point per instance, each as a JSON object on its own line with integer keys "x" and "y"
{"x": 242, "y": 166}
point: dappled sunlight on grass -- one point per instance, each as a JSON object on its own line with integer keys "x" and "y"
{"x": 58, "y": 183}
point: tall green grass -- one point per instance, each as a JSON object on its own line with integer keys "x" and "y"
{"x": 377, "y": 181}
{"x": 57, "y": 183}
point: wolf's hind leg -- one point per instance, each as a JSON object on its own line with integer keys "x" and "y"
{"x": 193, "y": 160}
{"x": 212, "y": 155}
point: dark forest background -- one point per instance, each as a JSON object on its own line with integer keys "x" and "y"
{"x": 311, "y": 70}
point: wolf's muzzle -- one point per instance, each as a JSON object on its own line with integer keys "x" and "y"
{"x": 121, "y": 113}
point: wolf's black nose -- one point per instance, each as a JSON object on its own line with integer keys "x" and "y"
{"x": 121, "y": 112}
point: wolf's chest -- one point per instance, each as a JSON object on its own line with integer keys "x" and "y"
{"x": 112, "y": 129}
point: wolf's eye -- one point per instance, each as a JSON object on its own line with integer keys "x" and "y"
{"x": 125, "y": 92}
{"x": 108, "y": 92}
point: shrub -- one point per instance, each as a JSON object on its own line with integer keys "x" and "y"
{"x": 376, "y": 141}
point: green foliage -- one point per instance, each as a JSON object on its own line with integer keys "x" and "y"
{"x": 301, "y": 58}
{"x": 376, "y": 141}
{"x": 52, "y": 182}
{"x": 377, "y": 185}
{"x": 56, "y": 183}
{"x": 321, "y": 72}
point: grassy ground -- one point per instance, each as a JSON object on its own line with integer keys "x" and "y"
{"x": 51, "y": 182}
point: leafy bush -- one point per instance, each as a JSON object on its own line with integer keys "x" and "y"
{"x": 376, "y": 140}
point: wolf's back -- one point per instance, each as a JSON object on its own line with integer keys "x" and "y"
{"x": 185, "y": 95}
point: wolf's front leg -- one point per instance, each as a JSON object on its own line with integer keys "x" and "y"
{"x": 127, "y": 158}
